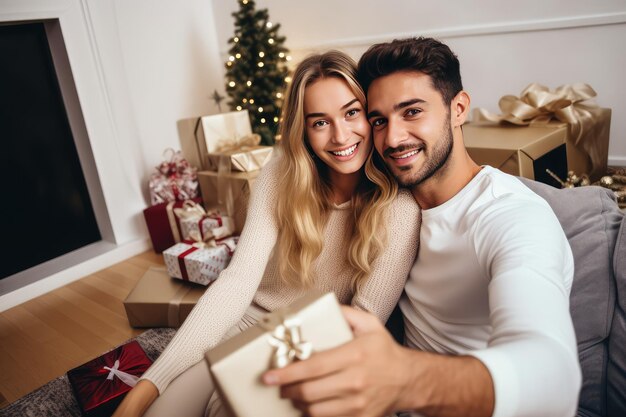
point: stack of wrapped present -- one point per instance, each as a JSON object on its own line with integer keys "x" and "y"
{"x": 164, "y": 297}
{"x": 171, "y": 185}
{"x": 230, "y": 157}
{"x": 558, "y": 130}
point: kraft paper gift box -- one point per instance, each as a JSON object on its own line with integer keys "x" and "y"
{"x": 199, "y": 263}
{"x": 525, "y": 151}
{"x": 588, "y": 125}
{"x": 245, "y": 158}
{"x": 580, "y": 160}
{"x": 216, "y": 134}
{"x": 311, "y": 324}
{"x": 163, "y": 224}
{"x": 159, "y": 300}
{"x": 100, "y": 384}
{"x": 228, "y": 193}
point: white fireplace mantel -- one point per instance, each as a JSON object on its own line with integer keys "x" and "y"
{"x": 109, "y": 149}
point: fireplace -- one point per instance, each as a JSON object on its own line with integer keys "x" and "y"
{"x": 52, "y": 214}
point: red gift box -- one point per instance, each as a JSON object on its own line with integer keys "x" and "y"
{"x": 100, "y": 384}
{"x": 164, "y": 225}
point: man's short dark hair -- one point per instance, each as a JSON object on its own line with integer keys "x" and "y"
{"x": 426, "y": 55}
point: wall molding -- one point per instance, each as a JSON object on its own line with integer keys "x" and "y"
{"x": 478, "y": 30}
{"x": 617, "y": 161}
{"x": 471, "y": 30}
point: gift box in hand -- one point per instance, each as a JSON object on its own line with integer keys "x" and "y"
{"x": 312, "y": 323}
{"x": 100, "y": 384}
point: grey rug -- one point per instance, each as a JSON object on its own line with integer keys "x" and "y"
{"x": 56, "y": 397}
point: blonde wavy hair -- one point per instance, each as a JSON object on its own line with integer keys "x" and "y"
{"x": 305, "y": 191}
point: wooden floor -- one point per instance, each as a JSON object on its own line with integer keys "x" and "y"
{"x": 45, "y": 337}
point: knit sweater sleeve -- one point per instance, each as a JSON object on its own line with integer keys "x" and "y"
{"x": 226, "y": 300}
{"x": 381, "y": 291}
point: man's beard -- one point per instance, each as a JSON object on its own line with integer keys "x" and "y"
{"x": 440, "y": 155}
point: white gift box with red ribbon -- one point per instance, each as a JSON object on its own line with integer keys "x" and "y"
{"x": 193, "y": 218}
{"x": 199, "y": 262}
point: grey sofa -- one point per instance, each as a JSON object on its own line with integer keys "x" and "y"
{"x": 596, "y": 230}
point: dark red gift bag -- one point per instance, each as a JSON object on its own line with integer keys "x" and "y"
{"x": 100, "y": 384}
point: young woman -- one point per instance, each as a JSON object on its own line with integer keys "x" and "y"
{"x": 322, "y": 215}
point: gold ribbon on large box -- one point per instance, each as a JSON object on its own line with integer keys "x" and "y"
{"x": 537, "y": 105}
{"x": 244, "y": 153}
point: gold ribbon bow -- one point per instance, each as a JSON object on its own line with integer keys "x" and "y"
{"x": 200, "y": 243}
{"x": 189, "y": 210}
{"x": 242, "y": 143}
{"x": 287, "y": 342}
{"x": 538, "y": 105}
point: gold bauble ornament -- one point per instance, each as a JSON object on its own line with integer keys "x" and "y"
{"x": 606, "y": 181}
{"x": 584, "y": 181}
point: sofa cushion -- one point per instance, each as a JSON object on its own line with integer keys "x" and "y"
{"x": 616, "y": 372}
{"x": 591, "y": 220}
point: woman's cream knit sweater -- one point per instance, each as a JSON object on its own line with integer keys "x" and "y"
{"x": 252, "y": 276}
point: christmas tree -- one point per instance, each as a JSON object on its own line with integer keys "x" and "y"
{"x": 256, "y": 70}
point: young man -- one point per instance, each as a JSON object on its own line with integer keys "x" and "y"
{"x": 486, "y": 305}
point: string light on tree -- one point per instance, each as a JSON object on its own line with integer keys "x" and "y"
{"x": 257, "y": 85}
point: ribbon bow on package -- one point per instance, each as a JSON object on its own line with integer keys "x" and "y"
{"x": 240, "y": 153}
{"x": 200, "y": 259}
{"x": 229, "y": 135}
{"x": 287, "y": 342}
{"x": 194, "y": 218}
{"x": 125, "y": 377}
{"x": 173, "y": 180}
{"x": 236, "y": 143}
{"x": 537, "y": 105}
{"x": 100, "y": 384}
{"x": 311, "y": 323}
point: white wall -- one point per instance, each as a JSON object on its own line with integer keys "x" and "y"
{"x": 502, "y": 46}
{"x": 172, "y": 66}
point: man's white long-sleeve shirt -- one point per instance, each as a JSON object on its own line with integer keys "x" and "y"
{"x": 492, "y": 280}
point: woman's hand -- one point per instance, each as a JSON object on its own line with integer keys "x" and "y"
{"x": 137, "y": 400}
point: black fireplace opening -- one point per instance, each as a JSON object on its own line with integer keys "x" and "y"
{"x": 46, "y": 210}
